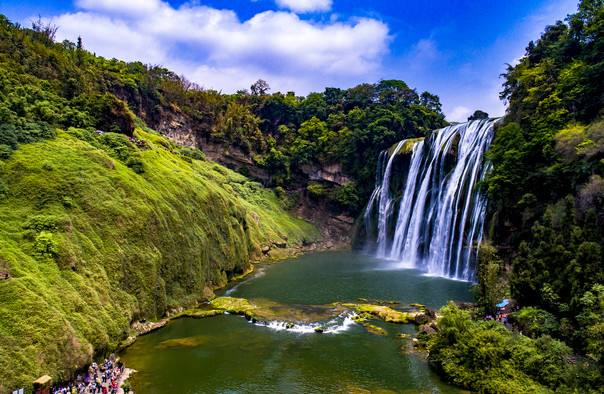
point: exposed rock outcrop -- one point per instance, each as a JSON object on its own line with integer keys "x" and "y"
{"x": 336, "y": 228}
{"x": 175, "y": 126}
{"x": 327, "y": 173}
{"x": 231, "y": 156}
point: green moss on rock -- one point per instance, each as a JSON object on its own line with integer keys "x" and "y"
{"x": 375, "y": 330}
{"x": 239, "y": 306}
{"x": 383, "y": 312}
{"x": 92, "y": 245}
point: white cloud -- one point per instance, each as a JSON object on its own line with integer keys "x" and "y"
{"x": 303, "y": 6}
{"x": 425, "y": 55}
{"x": 427, "y": 50}
{"x": 127, "y": 7}
{"x": 459, "y": 114}
{"x": 214, "y": 48}
{"x": 112, "y": 38}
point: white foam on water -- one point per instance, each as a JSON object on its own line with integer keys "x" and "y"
{"x": 340, "y": 324}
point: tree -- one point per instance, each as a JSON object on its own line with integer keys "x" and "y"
{"x": 591, "y": 320}
{"x": 260, "y": 88}
{"x": 46, "y": 33}
{"x": 478, "y": 114}
{"x": 524, "y": 282}
{"x": 489, "y": 290}
{"x": 430, "y": 101}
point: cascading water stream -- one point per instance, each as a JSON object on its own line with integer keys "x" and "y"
{"x": 440, "y": 215}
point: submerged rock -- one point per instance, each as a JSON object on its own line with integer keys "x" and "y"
{"x": 375, "y": 330}
{"x": 383, "y": 312}
{"x": 239, "y": 306}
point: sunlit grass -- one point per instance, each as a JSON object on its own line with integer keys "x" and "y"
{"x": 92, "y": 245}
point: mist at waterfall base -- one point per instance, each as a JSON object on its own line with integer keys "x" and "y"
{"x": 425, "y": 212}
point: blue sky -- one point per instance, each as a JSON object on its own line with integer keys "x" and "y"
{"x": 456, "y": 49}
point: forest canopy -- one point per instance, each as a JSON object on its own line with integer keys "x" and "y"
{"x": 44, "y": 84}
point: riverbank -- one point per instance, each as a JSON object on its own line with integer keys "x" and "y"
{"x": 271, "y": 256}
{"x": 92, "y": 245}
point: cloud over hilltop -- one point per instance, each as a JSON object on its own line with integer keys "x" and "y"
{"x": 218, "y": 50}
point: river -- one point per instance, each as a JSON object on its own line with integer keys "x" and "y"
{"x": 228, "y": 354}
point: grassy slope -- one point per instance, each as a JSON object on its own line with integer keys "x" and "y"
{"x": 91, "y": 245}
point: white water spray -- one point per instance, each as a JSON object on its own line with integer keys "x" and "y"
{"x": 440, "y": 213}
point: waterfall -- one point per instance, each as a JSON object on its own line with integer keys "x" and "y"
{"x": 434, "y": 219}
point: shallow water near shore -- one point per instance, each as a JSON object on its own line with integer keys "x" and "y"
{"x": 228, "y": 354}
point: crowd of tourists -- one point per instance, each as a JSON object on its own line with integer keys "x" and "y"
{"x": 101, "y": 379}
{"x": 172, "y": 151}
{"x": 503, "y": 310}
{"x": 140, "y": 143}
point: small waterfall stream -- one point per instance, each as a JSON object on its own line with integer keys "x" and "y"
{"x": 431, "y": 217}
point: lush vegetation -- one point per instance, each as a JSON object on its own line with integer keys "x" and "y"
{"x": 62, "y": 84}
{"x": 546, "y": 192}
{"x": 104, "y": 222}
{"x": 486, "y": 357}
{"x": 98, "y": 231}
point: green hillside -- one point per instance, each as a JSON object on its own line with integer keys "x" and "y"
{"x": 92, "y": 244}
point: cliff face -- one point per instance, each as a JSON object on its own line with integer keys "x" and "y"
{"x": 176, "y": 126}
{"x": 231, "y": 157}
{"x": 334, "y": 224}
{"x": 327, "y": 173}
{"x": 335, "y": 227}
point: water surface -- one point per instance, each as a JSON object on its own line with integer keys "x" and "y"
{"x": 227, "y": 354}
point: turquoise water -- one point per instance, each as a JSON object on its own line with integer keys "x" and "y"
{"x": 227, "y": 354}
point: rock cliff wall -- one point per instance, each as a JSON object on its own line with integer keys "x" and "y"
{"x": 336, "y": 226}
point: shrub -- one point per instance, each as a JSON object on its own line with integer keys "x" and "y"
{"x": 5, "y": 151}
{"x": 8, "y": 136}
{"x": 46, "y": 244}
{"x": 348, "y": 196}
{"x": 117, "y": 145}
{"x": 40, "y": 223}
{"x": 136, "y": 164}
{"x": 34, "y": 132}
{"x": 316, "y": 190}
{"x": 486, "y": 357}
{"x": 535, "y": 322}
{"x": 126, "y": 386}
{"x": 195, "y": 154}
